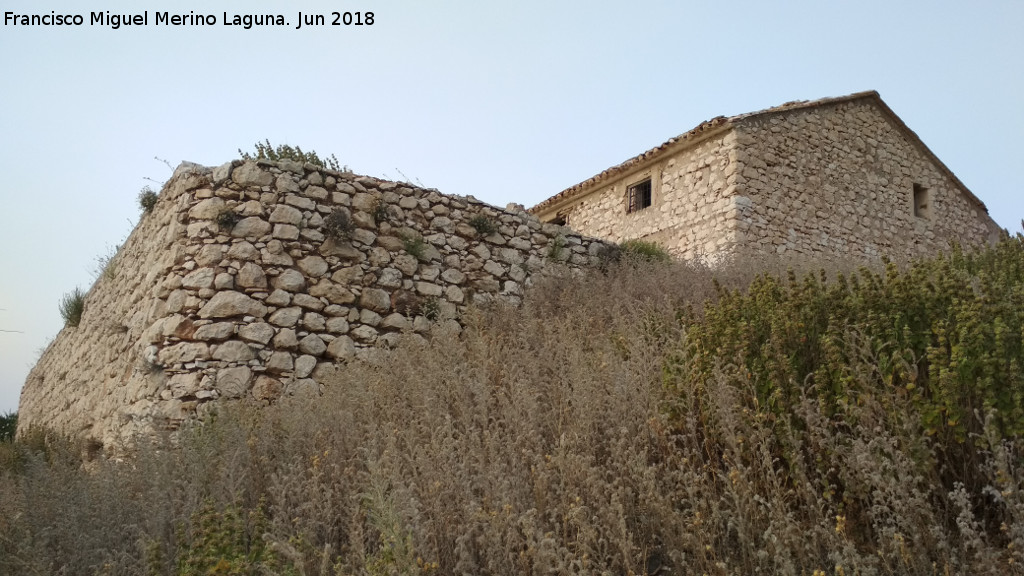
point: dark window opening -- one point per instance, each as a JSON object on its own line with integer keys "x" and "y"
{"x": 558, "y": 220}
{"x": 638, "y": 196}
{"x": 922, "y": 202}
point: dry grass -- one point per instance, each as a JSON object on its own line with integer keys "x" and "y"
{"x": 543, "y": 441}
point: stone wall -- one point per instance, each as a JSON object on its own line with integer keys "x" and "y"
{"x": 835, "y": 178}
{"x": 253, "y": 279}
{"x": 691, "y": 213}
{"x": 840, "y": 180}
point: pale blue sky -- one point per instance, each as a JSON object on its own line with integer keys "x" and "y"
{"x": 507, "y": 101}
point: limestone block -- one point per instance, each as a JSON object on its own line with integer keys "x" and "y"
{"x": 454, "y": 294}
{"x": 315, "y": 192}
{"x": 300, "y": 202}
{"x": 286, "y": 317}
{"x": 313, "y": 266}
{"x": 251, "y": 275}
{"x": 290, "y": 281}
{"x": 233, "y": 351}
{"x": 279, "y": 298}
{"x": 284, "y": 214}
{"x": 210, "y": 255}
{"x": 183, "y": 352}
{"x": 315, "y": 322}
{"x": 201, "y": 278}
{"x": 348, "y": 276}
{"x": 207, "y": 209}
{"x": 251, "y": 227}
{"x": 369, "y": 317}
{"x": 234, "y": 382}
{"x": 304, "y": 365}
{"x": 335, "y": 293}
{"x": 364, "y": 333}
{"x": 249, "y": 174}
{"x": 342, "y": 348}
{"x": 375, "y": 299}
{"x": 390, "y": 243}
{"x": 286, "y": 232}
{"x": 243, "y": 250}
{"x": 396, "y": 321}
{"x": 215, "y": 331}
{"x": 182, "y": 385}
{"x": 230, "y": 303}
{"x": 260, "y": 332}
{"x": 390, "y": 278}
{"x": 224, "y": 281}
{"x": 428, "y": 289}
{"x": 312, "y": 344}
{"x": 286, "y": 339}
{"x": 286, "y": 183}
{"x": 308, "y": 302}
{"x": 406, "y": 263}
{"x": 280, "y": 362}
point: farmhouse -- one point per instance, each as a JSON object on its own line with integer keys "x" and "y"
{"x": 842, "y": 176}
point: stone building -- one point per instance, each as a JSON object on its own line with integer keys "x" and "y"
{"x": 842, "y": 176}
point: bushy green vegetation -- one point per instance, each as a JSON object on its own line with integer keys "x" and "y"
{"x": 483, "y": 225}
{"x": 8, "y": 426}
{"x": 338, "y": 224}
{"x": 266, "y": 151}
{"x": 642, "y": 249}
{"x": 147, "y": 199}
{"x": 651, "y": 418}
{"x": 72, "y": 305}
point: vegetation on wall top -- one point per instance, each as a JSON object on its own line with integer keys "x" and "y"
{"x": 266, "y": 151}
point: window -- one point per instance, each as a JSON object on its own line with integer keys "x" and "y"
{"x": 922, "y": 202}
{"x": 638, "y": 196}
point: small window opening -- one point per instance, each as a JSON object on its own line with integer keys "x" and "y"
{"x": 638, "y": 196}
{"x": 922, "y": 202}
{"x": 558, "y": 220}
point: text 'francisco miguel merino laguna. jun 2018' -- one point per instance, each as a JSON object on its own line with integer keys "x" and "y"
{"x": 245, "y": 21}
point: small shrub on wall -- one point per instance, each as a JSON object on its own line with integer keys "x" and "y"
{"x": 71, "y": 307}
{"x": 266, "y": 151}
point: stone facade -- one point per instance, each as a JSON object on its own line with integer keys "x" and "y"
{"x": 253, "y": 279}
{"x": 841, "y": 176}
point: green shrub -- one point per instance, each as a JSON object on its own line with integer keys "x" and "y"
{"x": 643, "y": 250}
{"x": 946, "y": 333}
{"x": 8, "y": 426}
{"x": 415, "y": 246}
{"x": 265, "y": 151}
{"x": 147, "y": 199}
{"x": 71, "y": 307}
{"x": 227, "y": 219}
{"x": 430, "y": 308}
{"x": 380, "y": 211}
{"x": 556, "y": 249}
{"x": 338, "y": 225}
{"x": 484, "y": 226}
{"x": 106, "y": 267}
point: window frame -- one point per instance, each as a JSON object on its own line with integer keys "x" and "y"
{"x": 635, "y": 196}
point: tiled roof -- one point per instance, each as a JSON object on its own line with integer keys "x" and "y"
{"x": 722, "y": 123}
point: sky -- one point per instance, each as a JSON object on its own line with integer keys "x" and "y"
{"x": 505, "y": 101}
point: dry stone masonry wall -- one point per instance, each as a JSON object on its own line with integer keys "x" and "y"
{"x": 694, "y": 193}
{"x": 251, "y": 280}
{"x": 842, "y": 178}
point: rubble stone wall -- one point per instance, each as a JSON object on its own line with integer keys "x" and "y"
{"x": 828, "y": 180}
{"x": 841, "y": 180}
{"x": 693, "y": 206}
{"x": 253, "y": 279}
